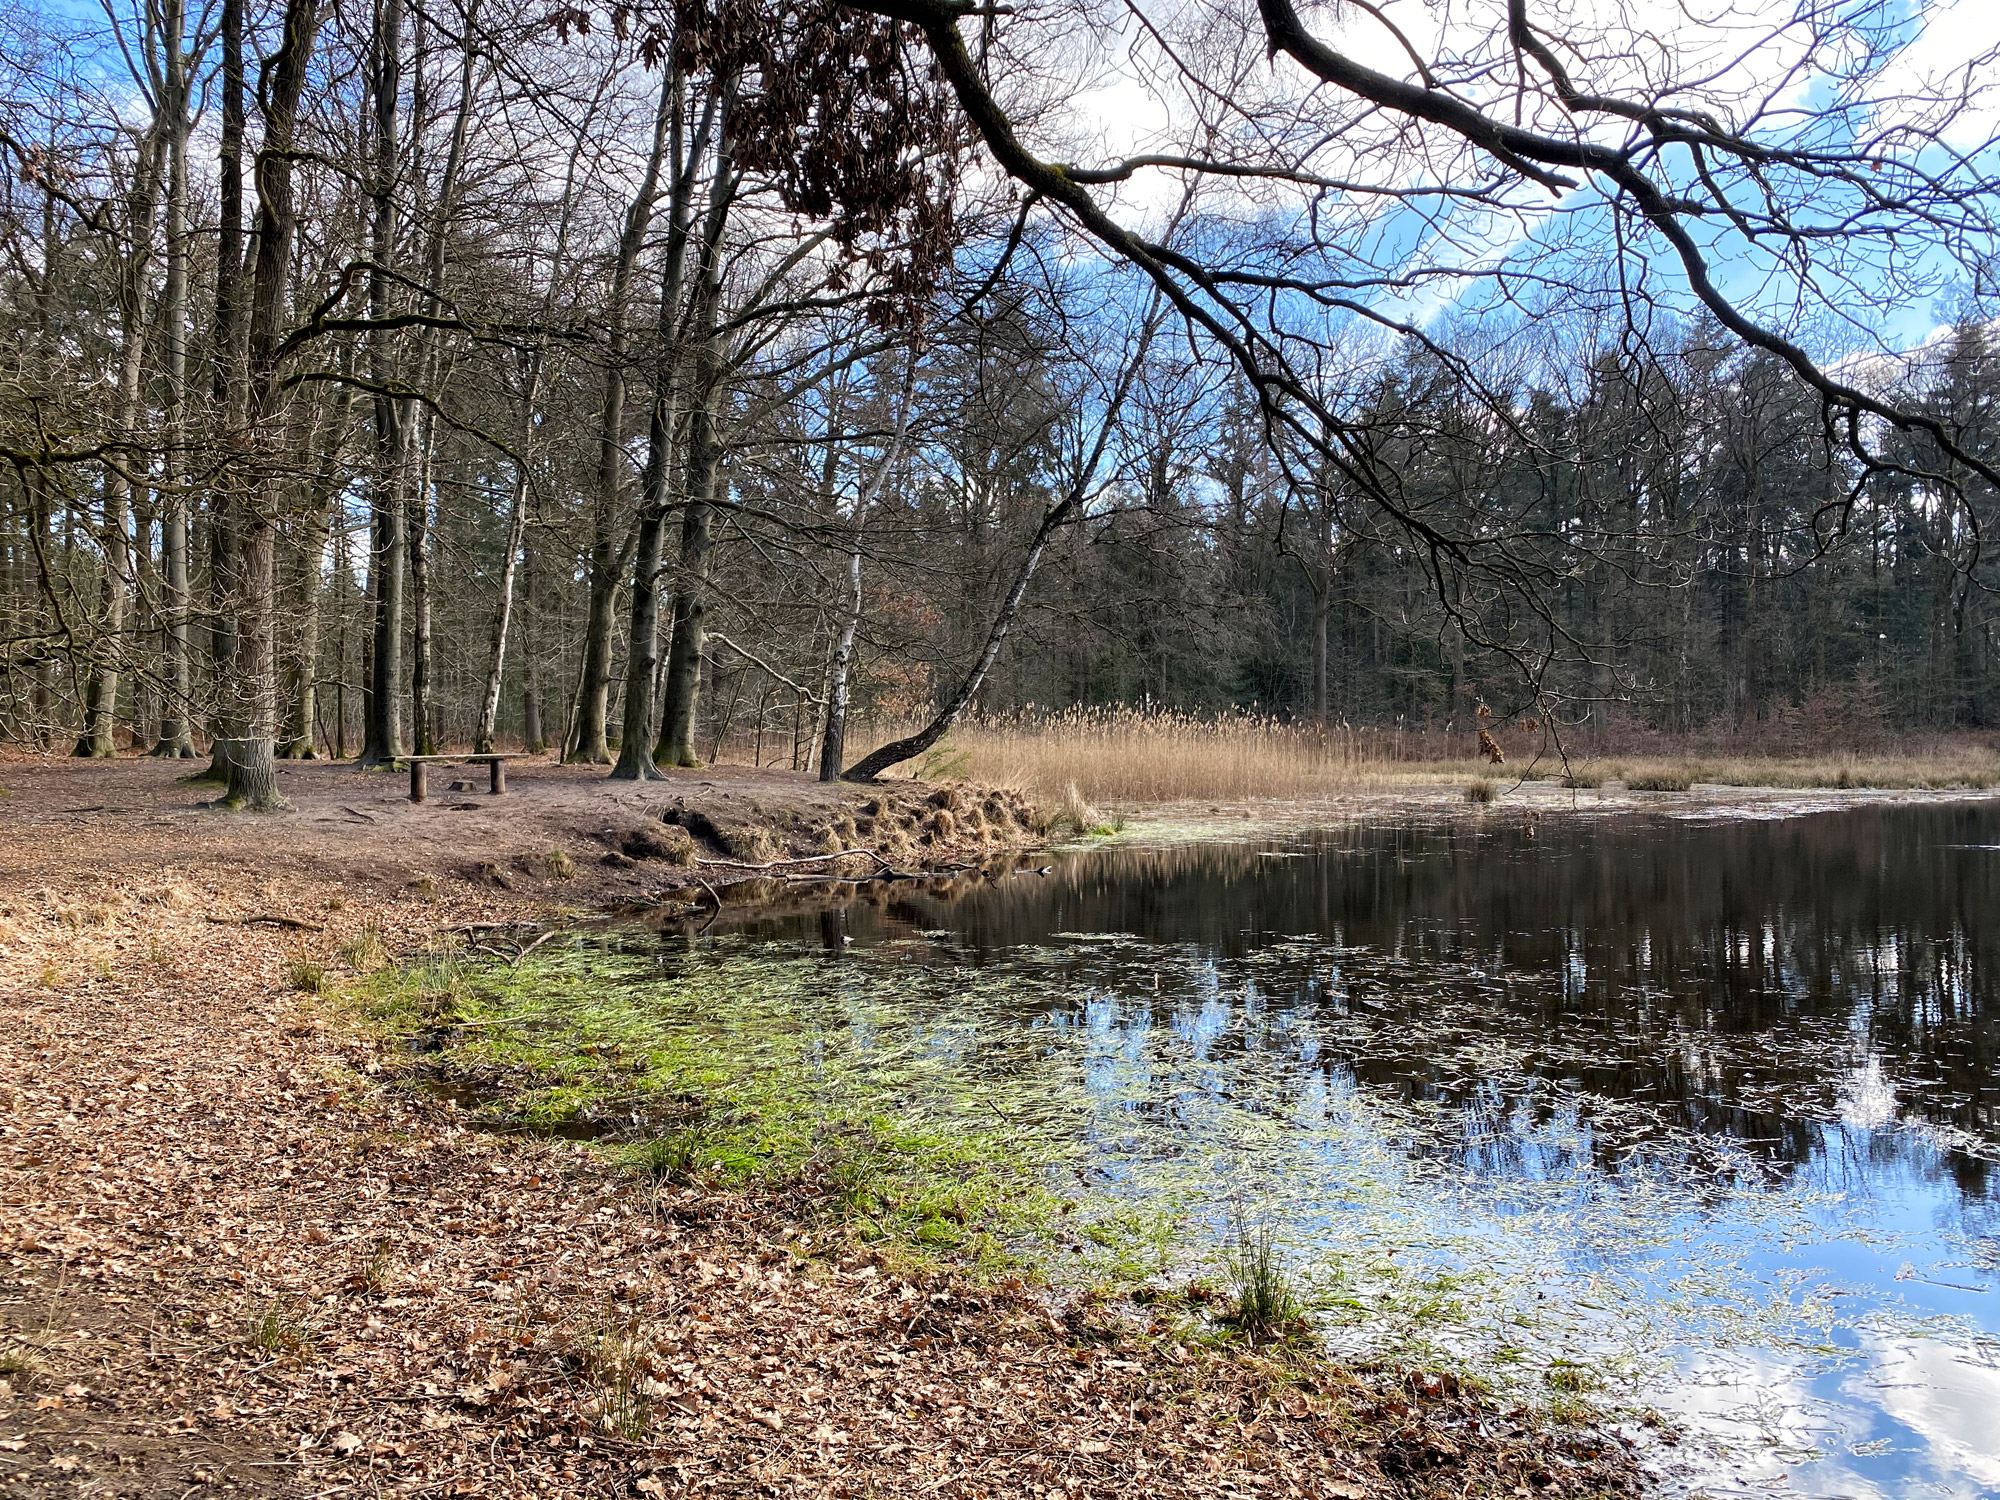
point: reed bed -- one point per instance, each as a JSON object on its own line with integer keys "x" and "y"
{"x": 1130, "y": 757}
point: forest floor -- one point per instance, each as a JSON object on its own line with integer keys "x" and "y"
{"x": 236, "y": 1257}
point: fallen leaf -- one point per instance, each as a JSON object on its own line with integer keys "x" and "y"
{"x": 344, "y": 1442}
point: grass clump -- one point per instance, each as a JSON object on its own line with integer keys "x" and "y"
{"x": 681, "y": 1154}
{"x": 560, "y": 865}
{"x": 364, "y": 951}
{"x": 1481, "y": 790}
{"x": 377, "y": 1274}
{"x": 1661, "y": 779}
{"x": 280, "y": 1328}
{"x": 617, "y": 1358}
{"x": 21, "y": 1366}
{"x": 1265, "y": 1308}
{"x": 306, "y": 975}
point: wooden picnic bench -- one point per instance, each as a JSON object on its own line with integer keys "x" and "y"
{"x": 419, "y": 787}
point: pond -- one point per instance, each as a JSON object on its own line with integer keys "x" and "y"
{"x": 1694, "y": 1115}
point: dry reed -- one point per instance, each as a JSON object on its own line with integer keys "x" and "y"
{"x": 1126, "y": 757}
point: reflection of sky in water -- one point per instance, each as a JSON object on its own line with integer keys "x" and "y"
{"x": 1709, "y": 1107}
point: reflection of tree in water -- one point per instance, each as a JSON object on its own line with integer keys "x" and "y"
{"x": 1715, "y": 980}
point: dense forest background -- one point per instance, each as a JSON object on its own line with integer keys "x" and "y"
{"x": 518, "y": 254}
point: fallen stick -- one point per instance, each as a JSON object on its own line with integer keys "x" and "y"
{"x": 268, "y": 918}
{"x": 776, "y": 864}
{"x": 522, "y": 955}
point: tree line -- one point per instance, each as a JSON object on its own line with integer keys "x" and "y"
{"x": 384, "y": 377}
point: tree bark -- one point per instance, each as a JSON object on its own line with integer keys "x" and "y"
{"x": 251, "y": 697}
{"x": 608, "y": 556}
{"x": 176, "y": 741}
{"x": 100, "y": 707}
{"x": 383, "y": 738}
{"x": 833, "y": 740}
{"x": 517, "y": 521}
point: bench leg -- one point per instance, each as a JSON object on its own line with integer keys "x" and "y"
{"x": 417, "y": 786}
{"x": 499, "y": 768}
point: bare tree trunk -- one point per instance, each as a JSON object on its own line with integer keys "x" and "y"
{"x": 230, "y": 385}
{"x": 681, "y": 690}
{"x": 517, "y": 521}
{"x": 608, "y": 557}
{"x": 534, "y": 738}
{"x": 423, "y": 722}
{"x": 251, "y": 698}
{"x": 383, "y": 739}
{"x": 312, "y": 558}
{"x": 911, "y": 746}
{"x": 100, "y": 708}
{"x": 636, "y": 758}
{"x": 176, "y": 742}
{"x": 1058, "y": 515}
{"x": 833, "y": 741}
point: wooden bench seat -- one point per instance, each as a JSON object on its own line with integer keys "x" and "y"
{"x": 419, "y": 785}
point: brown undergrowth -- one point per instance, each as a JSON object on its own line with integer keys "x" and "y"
{"x": 237, "y": 1260}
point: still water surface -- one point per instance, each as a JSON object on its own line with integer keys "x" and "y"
{"x": 1700, "y": 1113}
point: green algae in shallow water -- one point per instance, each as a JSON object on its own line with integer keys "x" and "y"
{"x": 781, "y": 1069}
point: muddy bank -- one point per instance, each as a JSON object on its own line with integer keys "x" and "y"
{"x": 561, "y": 836}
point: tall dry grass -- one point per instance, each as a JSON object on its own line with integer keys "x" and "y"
{"x": 1126, "y": 757}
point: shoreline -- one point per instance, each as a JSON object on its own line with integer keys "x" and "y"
{"x": 239, "y": 1254}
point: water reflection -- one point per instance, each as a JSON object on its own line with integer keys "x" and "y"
{"x": 1715, "y": 1101}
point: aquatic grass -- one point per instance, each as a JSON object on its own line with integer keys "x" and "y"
{"x": 1266, "y": 1308}
{"x": 882, "y": 1142}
